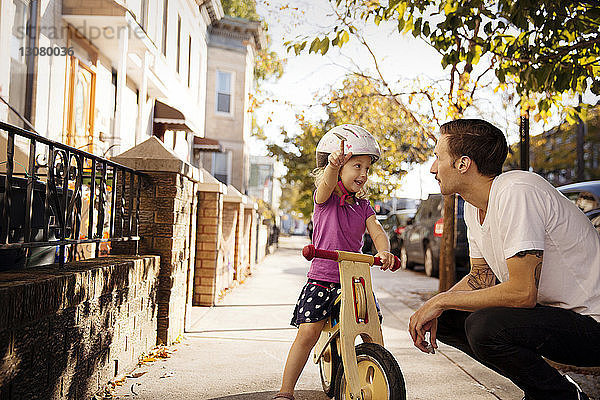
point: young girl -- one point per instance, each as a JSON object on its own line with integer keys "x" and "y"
{"x": 341, "y": 214}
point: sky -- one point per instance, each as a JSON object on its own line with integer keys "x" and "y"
{"x": 307, "y": 76}
{"x": 400, "y": 57}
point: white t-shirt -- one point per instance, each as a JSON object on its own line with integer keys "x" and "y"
{"x": 525, "y": 212}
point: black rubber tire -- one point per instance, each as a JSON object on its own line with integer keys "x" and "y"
{"x": 389, "y": 366}
{"x": 328, "y": 382}
{"x": 404, "y": 263}
{"x": 432, "y": 267}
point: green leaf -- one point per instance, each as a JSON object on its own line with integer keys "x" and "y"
{"x": 501, "y": 75}
{"x": 450, "y": 7}
{"x": 409, "y": 24}
{"x": 314, "y": 46}
{"x": 417, "y": 28}
{"x": 401, "y": 24}
{"x": 445, "y": 61}
{"x": 324, "y": 45}
{"x": 426, "y": 29}
{"x": 344, "y": 38}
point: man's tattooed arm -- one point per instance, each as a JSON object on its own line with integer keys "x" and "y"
{"x": 538, "y": 265}
{"x": 481, "y": 276}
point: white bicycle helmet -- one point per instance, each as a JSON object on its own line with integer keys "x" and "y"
{"x": 358, "y": 141}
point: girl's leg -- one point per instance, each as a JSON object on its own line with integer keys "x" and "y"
{"x": 306, "y": 338}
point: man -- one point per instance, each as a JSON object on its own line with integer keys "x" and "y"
{"x": 534, "y": 286}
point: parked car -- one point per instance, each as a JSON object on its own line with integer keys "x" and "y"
{"x": 420, "y": 240}
{"x": 393, "y": 224}
{"x": 368, "y": 247}
{"x": 586, "y": 195}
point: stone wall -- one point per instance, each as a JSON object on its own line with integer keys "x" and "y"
{"x": 65, "y": 332}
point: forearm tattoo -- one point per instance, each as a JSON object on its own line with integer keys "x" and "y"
{"x": 480, "y": 277}
{"x": 537, "y": 271}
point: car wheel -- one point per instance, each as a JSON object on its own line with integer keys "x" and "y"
{"x": 404, "y": 263}
{"x": 431, "y": 268}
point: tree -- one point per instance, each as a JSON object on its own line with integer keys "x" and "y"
{"x": 554, "y": 153}
{"x": 542, "y": 48}
{"x": 357, "y": 102}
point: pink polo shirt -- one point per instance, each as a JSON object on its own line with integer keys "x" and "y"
{"x": 337, "y": 227}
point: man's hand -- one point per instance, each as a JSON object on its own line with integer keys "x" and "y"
{"x": 387, "y": 259}
{"x": 337, "y": 159}
{"x": 422, "y": 321}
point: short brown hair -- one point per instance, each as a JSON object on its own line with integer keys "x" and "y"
{"x": 479, "y": 140}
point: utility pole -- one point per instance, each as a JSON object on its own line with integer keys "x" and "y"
{"x": 447, "y": 268}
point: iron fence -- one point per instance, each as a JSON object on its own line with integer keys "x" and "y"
{"x": 64, "y": 199}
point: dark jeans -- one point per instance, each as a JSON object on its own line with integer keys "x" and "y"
{"x": 512, "y": 341}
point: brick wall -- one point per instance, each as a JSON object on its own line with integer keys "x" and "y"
{"x": 167, "y": 228}
{"x": 65, "y": 332}
{"x": 209, "y": 259}
{"x": 240, "y": 250}
{"x": 227, "y": 273}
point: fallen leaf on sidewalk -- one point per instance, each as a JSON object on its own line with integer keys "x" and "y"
{"x": 136, "y": 375}
{"x": 161, "y": 352}
{"x": 120, "y": 381}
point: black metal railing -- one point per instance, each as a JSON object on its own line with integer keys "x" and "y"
{"x": 42, "y": 206}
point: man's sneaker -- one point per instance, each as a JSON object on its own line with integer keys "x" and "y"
{"x": 580, "y": 394}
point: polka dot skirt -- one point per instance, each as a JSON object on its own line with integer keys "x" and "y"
{"x": 316, "y": 302}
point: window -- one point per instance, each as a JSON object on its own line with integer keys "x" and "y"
{"x": 164, "y": 25}
{"x": 178, "y": 42}
{"x": 221, "y": 167}
{"x": 224, "y": 92}
{"x": 23, "y": 36}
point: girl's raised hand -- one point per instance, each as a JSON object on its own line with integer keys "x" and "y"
{"x": 337, "y": 159}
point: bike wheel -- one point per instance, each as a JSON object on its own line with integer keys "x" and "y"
{"x": 328, "y": 366}
{"x": 379, "y": 374}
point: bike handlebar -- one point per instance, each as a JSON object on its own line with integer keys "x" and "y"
{"x": 309, "y": 252}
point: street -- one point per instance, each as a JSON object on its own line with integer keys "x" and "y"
{"x": 237, "y": 349}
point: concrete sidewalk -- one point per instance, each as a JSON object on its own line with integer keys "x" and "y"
{"x": 237, "y": 349}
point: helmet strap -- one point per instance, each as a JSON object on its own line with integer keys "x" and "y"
{"x": 345, "y": 193}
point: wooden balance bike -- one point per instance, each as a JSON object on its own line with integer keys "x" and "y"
{"x": 367, "y": 371}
